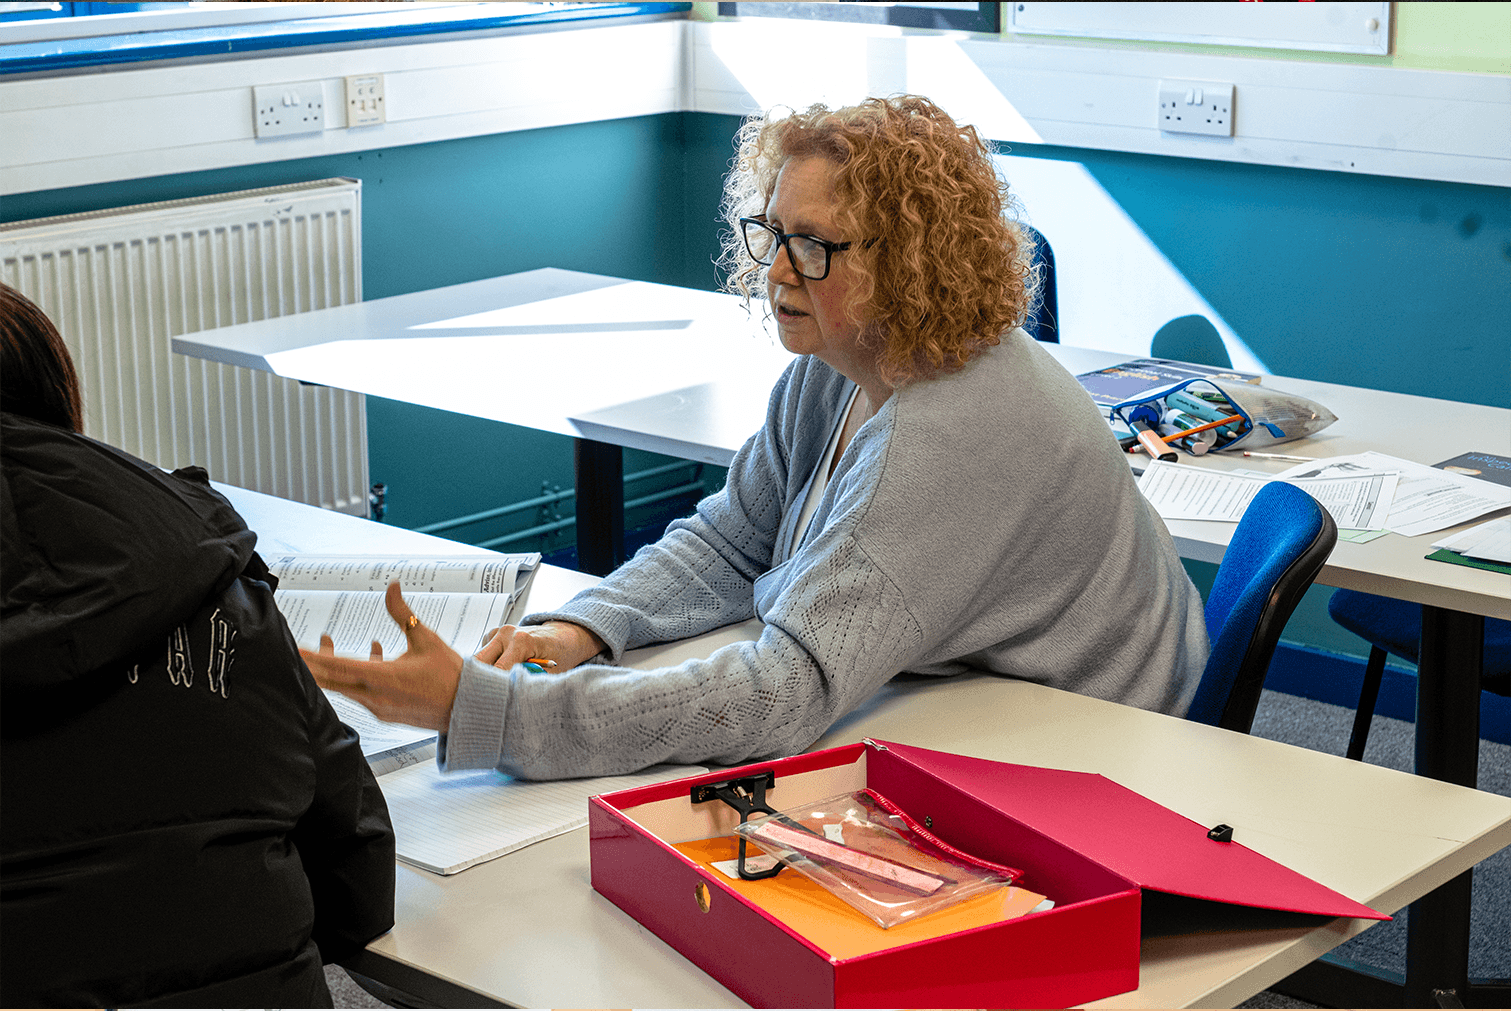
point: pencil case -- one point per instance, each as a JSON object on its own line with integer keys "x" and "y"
{"x": 1263, "y": 416}
{"x": 870, "y": 854}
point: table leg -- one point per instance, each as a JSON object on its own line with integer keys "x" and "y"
{"x": 1451, "y": 656}
{"x": 1447, "y": 748}
{"x": 600, "y": 506}
{"x": 1448, "y": 695}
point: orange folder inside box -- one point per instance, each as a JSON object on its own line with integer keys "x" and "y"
{"x": 1087, "y": 843}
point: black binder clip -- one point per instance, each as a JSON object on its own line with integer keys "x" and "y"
{"x": 745, "y": 795}
{"x": 1221, "y": 833}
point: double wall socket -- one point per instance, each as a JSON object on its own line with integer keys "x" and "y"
{"x": 282, "y": 109}
{"x": 1196, "y": 107}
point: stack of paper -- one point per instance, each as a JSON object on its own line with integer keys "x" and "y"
{"x": 1485, "y": 546}
{"x": 1363, "y": 492}
{"x": 1180, "y": 492}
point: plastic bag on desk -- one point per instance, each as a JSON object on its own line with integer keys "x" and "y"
{"x": 870, "y": 854}
{"x": 1260, "y": 416}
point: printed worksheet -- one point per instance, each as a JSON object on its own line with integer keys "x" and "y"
{"x": 1426, "y": 499}
{"x": 1359, "y": 501}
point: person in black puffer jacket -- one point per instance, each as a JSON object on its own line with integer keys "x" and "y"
{"x": 185, "y": 820}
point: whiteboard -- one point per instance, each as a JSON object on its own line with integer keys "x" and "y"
{"x": 1324, "y": 27}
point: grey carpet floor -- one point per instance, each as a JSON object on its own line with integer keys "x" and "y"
{"x": 1321, "y": 727}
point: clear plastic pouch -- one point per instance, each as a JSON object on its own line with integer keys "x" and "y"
{"x": 1261, "y": 416}
{"x": 875, "y": 857}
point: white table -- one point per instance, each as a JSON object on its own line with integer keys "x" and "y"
{"x": 528, "y": 930}
{"x": 535, "y": 349}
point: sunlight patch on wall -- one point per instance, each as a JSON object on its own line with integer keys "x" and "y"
{"x": 940, "y": 69}
{"x": 1115, "y": 287}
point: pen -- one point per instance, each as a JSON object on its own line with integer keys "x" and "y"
{"x": 535, "y": 665}
{"x": 1202, "y": 428}
{"x": 1280, "y": 456}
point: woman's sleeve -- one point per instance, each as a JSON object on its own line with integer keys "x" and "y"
{"x": 699, "y": 575}
{"x": 839, "y": 631}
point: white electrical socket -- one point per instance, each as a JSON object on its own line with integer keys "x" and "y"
{"x": 282, "y": 109}
{"x": 364, "y": 100}
{"x": 1196, "y": 107}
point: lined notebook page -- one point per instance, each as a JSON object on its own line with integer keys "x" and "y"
{"x": 448, "y": 823}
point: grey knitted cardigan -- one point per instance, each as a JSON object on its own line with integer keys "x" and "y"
{"x": 982, "y": 520}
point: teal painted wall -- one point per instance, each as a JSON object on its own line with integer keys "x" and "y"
{"x": 607, "y": 198}
{"x": 1393, "y": 284}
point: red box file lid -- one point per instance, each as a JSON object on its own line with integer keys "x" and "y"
{"x": 1131, "y": 835}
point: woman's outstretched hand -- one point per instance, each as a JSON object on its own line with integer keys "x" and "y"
{"x": 417, "y": 687}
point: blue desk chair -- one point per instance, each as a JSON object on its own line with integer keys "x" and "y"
{"x": 1044, "y": 312}
{"x": 1279, "y": 547}
{"x": 1395, "y": 626}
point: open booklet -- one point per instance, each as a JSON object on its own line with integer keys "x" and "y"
{"x": 461, "y": 597}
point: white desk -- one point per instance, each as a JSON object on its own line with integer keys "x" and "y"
{"x": 534, "y": 349}
{"x": 528, "y": 930}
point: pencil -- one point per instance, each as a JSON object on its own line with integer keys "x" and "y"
{"x": 537, "y": 661}
{"x": 1201, "y": 428}
{"x": 1281, "y": 456}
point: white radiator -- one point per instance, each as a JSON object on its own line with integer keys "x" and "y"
{"x": 121, "y": 283}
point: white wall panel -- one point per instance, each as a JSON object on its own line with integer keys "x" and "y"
{"x": 1377, "y": 120}
{"x": 117, "y": 124}
{"x": 120, "y": 124}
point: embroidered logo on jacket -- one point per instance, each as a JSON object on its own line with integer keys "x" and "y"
{"x": 180, "y": 659}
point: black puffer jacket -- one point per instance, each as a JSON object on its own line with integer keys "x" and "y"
{"x": 183, "y": 819}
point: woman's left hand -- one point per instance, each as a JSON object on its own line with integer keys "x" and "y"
{"x": 417, "y": 688}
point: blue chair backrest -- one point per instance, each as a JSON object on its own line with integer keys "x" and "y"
{"x": 1279, "y": 547}
{"x": 1043, "y": 322}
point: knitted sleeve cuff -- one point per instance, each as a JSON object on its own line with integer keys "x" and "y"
{"x": 475, "y": 736}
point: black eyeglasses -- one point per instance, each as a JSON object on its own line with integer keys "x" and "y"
{"x": 808, "y": 254}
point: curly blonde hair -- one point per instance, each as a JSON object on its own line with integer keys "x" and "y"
{"x": 942, "y": 272}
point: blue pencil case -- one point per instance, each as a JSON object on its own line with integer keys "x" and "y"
{"x": 1260, "y": 416}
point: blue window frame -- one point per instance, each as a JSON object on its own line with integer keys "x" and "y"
{"x": 385, "y": 22}
{"x": 964, "y": 17}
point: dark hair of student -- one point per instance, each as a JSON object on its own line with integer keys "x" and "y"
{"x": 37, "y": 378}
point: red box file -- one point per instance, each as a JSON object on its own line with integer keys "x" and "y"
{"x": 1083, "y": 840}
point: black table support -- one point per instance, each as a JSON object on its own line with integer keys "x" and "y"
{"x": 1451, "y": 659}
{"x": 1447, "y": 748}
{"x": 600, "y": 506}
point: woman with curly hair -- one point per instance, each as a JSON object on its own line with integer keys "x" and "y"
{"x": 931, "y": 493}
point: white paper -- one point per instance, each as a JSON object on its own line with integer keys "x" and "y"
{"x": 356, "y": 619}
{"x": 1191, "y": 493}
{"x": 448, "y": 823}
{"x": 1356, "y": 501}
{"x": 1489, "y": 542}
{"x": 461, "y": 597}
{"x": 455, "y": 574}
{"x": 1426, "y": 498}
{"x": 378, "y": 736}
